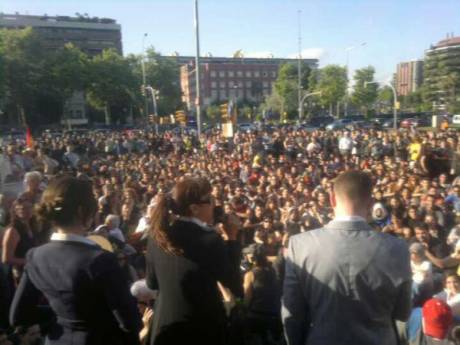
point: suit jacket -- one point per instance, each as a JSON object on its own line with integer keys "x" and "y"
{"x": 86, "y": 290}
{"x": 189, "y": 308}
{"x": 345, "y": 284}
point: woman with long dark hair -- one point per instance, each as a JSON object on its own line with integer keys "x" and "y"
{"x": 186, "y": 259}
{"x": 19, "y": 237}
{"x": 84, "y": 284}
{"x": 262, "y": 296}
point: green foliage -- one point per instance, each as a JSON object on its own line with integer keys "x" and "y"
{"x": 35, "y": 82}
{"x": 286, "y": 85}
{"x": 111, "y": 82}
{"x": 247, "y": 112}
{"x": 332, "y": 84}
{"x": 273, "y": 103}
{"x": 364, "y": 95}
{"x": 213, "y": 113}
{"x": 23, "y": 60}
{"x": 164, "y": 75}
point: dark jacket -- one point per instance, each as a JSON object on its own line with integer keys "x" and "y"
{"x": 189, "y": 308}
{"x": 85, "y": 288}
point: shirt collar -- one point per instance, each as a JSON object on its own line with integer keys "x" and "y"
{"x": 198, "y": 222}
{"x": 61, "y": 237}
{"x": 349, "y": 219}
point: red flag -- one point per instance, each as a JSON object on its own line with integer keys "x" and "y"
{"x": 29, "y": 139}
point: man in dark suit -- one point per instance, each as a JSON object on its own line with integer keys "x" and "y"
{"x": 346, "y": 283}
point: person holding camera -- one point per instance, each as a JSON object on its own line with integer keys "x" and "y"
{"x": 186, "y": 259}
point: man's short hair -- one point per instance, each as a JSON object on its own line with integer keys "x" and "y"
{"x": 355, "y": 186}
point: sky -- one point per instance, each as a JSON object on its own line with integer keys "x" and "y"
{"x": 380, "y": 33}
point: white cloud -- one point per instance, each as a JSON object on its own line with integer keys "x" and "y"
{"x": 310, "y": 53}
{"x": 263, "y": 54}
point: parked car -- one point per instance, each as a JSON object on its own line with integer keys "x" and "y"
{"x": 415, "y": 122}
{"x": 246, "y": 127}
{"x": 339, "y": 124}
{"x": 456, "y": 120}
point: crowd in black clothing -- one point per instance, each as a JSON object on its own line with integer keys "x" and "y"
{"x": 276, "y": 181}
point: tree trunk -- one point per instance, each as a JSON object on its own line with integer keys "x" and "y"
{"x": 330, "y": 109}
{"x": 22, "y": 116}
{"x": 107, "y": 114}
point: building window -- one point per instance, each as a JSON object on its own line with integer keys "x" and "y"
{"x": 213, "y": 74}
{"x": 222, "y": 95}
{"x": 265, "y": 84}
{"x": 256, "y": 74}
{"x": 221, "y": 74}
{"x": 231, "y": 83}
{"x": 240, "y": 84}
{"x": 214, "y": 94}
{"x": 222, "y": 85}
{"x": 274, "y": 74}
{"x": 248, "y": 84}
{"x": 264, "y": 74}
{"x": 239, "y": 73}
{"x": 248, "y": 74}
{"x": 213, "y": 84}
{"x": 266, "y": 92}
{"x": 231, "y": 74}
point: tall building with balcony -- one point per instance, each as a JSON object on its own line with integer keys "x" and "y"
{"x": 442, "y": 75}
{"x": 409, "y": 77}
{"x": 223, "y": 79}
{"x": 91, "y": 35}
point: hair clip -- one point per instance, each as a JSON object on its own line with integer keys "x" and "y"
{"x": 58, "y": 208}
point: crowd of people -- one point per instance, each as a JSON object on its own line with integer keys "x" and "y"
{"x": 275, "y": 183}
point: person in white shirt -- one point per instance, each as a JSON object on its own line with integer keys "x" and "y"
{"x": 345, "y": 143}
{"x": 421, "y": 271}
{"x": 451, "y": 294}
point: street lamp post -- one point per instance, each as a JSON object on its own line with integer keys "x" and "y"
{"x": 303, "y": 100}
{"x": 197, "y": 68}
{"x": 395, "y": 102}
{"x": 154, "y": 94}
{"x": 299, "y": 66}
{"x": 144, "y": 83}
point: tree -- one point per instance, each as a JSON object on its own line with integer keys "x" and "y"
{"x": 66, "y": 73}
{"x": 385, "y": 99}
{"x": 413, "y": 102}
{"x": 364, "y": 95}
{"x": 287, "y": 85}
{"x": 164, "y": 75}
{"x": 247, "y": 112}
{"x": 332, "y": 84}
{"x": 273, "y": 103}
{"x": 23, "y": 57}
{"x": 213, "y": 113}
{"x": 111, "y": 82}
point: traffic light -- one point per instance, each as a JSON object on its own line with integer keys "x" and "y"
{"x": 224, "y": 112}
{"x": 181, "y": 117}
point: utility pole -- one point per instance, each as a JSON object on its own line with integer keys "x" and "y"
{"x": 197, "y": 69}
{"x": 299, "y": 68}
{"x": 144, "y": 82}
